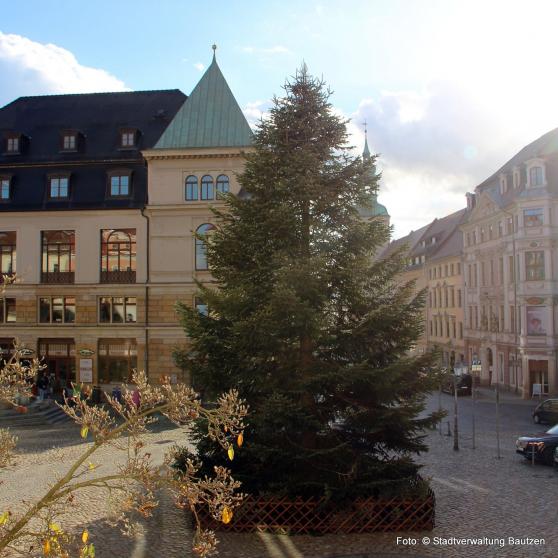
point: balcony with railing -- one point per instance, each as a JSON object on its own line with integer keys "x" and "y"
{"x": 57, "y": 277}
{"x": 126, "y": 276}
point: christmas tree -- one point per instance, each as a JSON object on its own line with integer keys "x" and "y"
{"x": 305, "y": 322}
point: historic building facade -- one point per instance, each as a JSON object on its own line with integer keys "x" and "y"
{"x": 511, "y": 270}
{"x": 73, "y": 184}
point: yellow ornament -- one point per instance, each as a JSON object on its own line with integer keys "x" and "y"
{"x": 91, "y": 551}
{"x": 227, "y": 515}
{"x": 54, "y": 527}
{"x": 84, "y": 537}
{"x": 230, "y": 452}
{"x": 240, "y": 440}
{"x": 4, "y": 517}
{"x": 46, "y": 547}
{"x": 84, "y": 431}
{"x": 91, "y": 466}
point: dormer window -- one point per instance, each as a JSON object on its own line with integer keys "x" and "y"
{"x": 13, "y": 144}
{"x": 69, "y": 140}
{"x": 503, "y": 184}
{"x": 516, "y": 178}
{"x": 119, "y": 184}
{"x": 535, "y": 176}
{"x": 128, "y": 138}
{"x": 59, "y": 187}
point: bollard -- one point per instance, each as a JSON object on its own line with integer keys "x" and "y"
{"x": 449, "y": 430}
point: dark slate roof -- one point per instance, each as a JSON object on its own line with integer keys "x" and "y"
{"x": 410, "y": 241}
{"x": 441, "y": 229}
{"x": 98, "y": 118}
{"x": 452, "y": 245}
{"x": 210, "y": 117}
{"x": 546, "y": 145}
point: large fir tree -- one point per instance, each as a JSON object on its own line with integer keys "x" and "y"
{"x": 311, "y": 329}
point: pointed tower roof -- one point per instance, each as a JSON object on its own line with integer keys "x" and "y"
{"x": 210, "y": 117}
{"x": 366, "y": 151}
{"x": 375, "y": 209}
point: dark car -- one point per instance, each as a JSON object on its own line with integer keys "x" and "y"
{"x": 464, "y": 384}
{"x": 547, "y": 412}
{"x": 556, "y": 458}
{"x": 541, "y": 445}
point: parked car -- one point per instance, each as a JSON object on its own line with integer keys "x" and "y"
{"x": 556, "y": 458}
{"x": 542, "y": 445}
{"x": 464, "y": 384}
{"x": 547, "y": 412}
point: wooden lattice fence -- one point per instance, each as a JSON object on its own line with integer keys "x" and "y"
{"x": 312, "y": 516}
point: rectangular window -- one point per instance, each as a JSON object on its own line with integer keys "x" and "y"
{"x": 500, "y": 229}
{"x": 12, "y": 144}
{"x": 118, "y": 256}
{"x": 128, "y": 138}
{"x": 58, "y": 256}
{"x": 57, "y": 310}
{"x": 201, "y": 306}
{"x": 459, "y": 301}
{"x": 7, "y": 253}
{"x": 7, "y": 310}
{"x": 492, "y": 272}
{"x": 512, "y": 319}
{"x": 451, "y": 269}
{"x": 534, "y": 266}
{"x": 69, "y": 142}
{"x": 120, "y": 185}
{"x": 533, "y": 217}
{"x": 535, "y": 176}
{"x": 483, "y": 274}
{"x": 117, "y": 360}
{"x": 4, "y": 189}
{"x": 58, "y": 187}
{"x": 501, "y": 271}
{"x": 475, "y": 275}
{"x": 117, "y": 310}
{"x": 460, "y": 330}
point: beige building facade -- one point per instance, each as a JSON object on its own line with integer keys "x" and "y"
{"x": 511, "y": 261}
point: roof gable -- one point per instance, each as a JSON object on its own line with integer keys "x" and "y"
{"x": 210, "y": 117}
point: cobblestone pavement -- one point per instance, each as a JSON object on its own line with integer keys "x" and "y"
{"x": 477, "y": 495}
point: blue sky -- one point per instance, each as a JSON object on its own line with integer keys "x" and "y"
{"x": 451, "y": 89}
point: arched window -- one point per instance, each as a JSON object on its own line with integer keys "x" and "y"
{"x": 207, "y": 188}
{"x": 191, "y": 190}
{"x": 222, "y": 184}
{"x": 201, "y": 249}
{"x": 535, "y": 176}
{"x": 118, "y": 256}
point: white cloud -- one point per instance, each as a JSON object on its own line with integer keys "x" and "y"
{"x": 255, "y": 111}
{"x": 31, "y": 68}
{"x": 441, "y": 142}
{"x": 199, "y": 66}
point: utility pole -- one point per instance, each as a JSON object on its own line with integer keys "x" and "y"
{"x": 455, "y": 425}
{"x": 498, "y": 416}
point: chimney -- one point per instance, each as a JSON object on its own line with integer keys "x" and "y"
{"x": 471, "y": 200}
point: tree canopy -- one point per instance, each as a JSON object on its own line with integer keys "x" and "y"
{"x": 305, "y": 321}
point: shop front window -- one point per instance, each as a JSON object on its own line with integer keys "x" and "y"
{"x": 117, "y": 360}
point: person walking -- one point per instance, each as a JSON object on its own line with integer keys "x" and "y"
{"x": 42, "y": 386}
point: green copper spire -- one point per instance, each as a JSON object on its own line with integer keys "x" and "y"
{"x": 366, "y": 152}
{"x": 375, "y": 209}
{"x": 210, "y": 117}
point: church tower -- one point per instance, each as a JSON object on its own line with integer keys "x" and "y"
{"x": 375, "y": 210}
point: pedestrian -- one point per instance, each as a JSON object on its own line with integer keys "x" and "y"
{"x": 42, "y": 386}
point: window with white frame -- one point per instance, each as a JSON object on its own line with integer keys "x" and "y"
{"x": 536, "y": 177}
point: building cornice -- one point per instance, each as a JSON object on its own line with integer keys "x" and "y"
{"x": 59, "y": 164}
